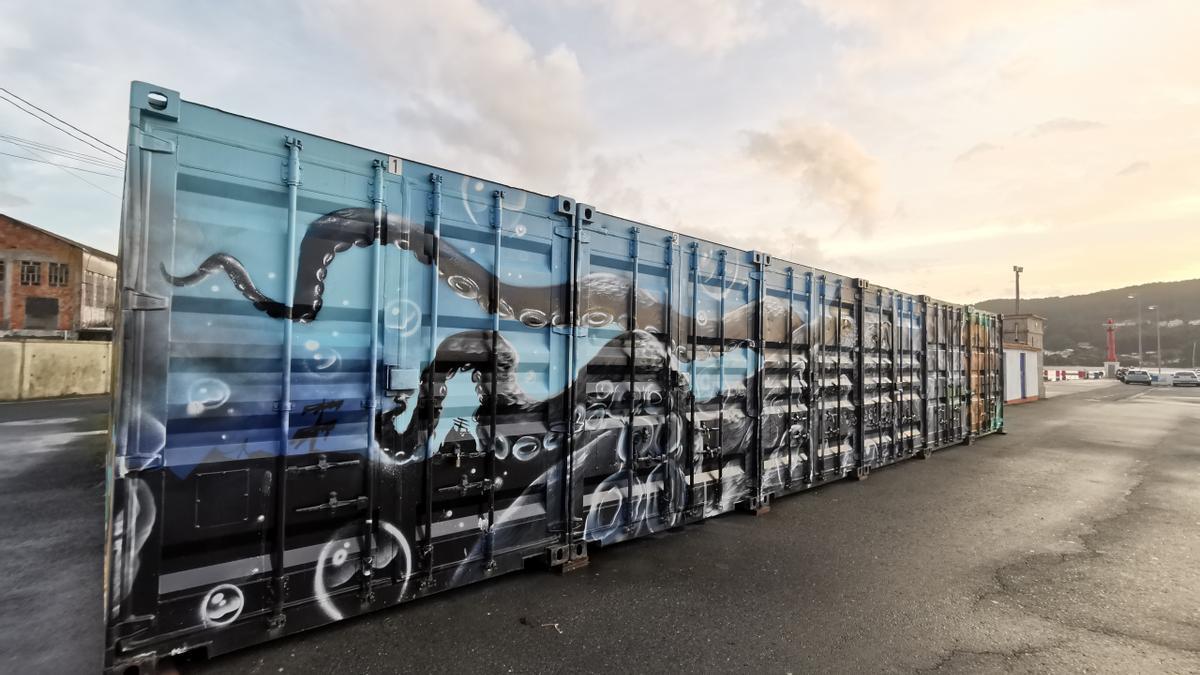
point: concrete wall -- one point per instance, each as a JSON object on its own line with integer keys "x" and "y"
{"x": 49, "y": 368}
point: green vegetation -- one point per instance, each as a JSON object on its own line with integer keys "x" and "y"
{"x": 1075, "y": 323}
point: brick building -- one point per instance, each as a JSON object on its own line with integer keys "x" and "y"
{"x": 53, "y": 286}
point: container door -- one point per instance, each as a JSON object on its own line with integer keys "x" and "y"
{"x": 910, "y": 357}
{"x": 879, "y": 376}
{"x": 629, "y": 406}
{"x": 476, "y": 311}
{"x": 784, "y": 415}
{"x": 837, "y": 359}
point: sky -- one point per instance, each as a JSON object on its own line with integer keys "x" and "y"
{"x": 925, "y": 146}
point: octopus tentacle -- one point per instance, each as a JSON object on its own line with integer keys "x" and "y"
{"x": 237, "y": 273}
{"x": 327, "y": 236}
{"x": 603, "y": 296}
{"x": 468, "y": 350}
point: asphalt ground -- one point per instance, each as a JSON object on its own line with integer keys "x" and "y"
{"x": 52, "y": 520}
{"x": 1069, "y": 544}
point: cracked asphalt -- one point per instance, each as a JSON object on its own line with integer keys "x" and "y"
{"x": 1070, "y": 544}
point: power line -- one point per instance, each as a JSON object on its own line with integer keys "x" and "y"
{"x": 118, "y": 150}
{"x": 43, "y": 161}
{"x": 61, "y": 152}
{"x": 72, "y": 173}
{"x": 54, "y": 126}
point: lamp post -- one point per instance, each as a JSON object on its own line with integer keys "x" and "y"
{"x": 1158, "y": 332}
{"x": 1141, "y": 358}
{"x": 1017, "y": 269}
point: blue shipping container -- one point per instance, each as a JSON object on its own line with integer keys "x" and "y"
{"x": 348, "y": 380}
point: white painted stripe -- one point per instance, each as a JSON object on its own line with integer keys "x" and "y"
{"x": 617, "y": 493}
{"x": 235, "y": 569}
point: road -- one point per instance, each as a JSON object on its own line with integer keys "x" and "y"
{"x": 1069, "y": 544}
{"x": 52, "y": 517}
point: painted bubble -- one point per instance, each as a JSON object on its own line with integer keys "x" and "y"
{"x": 334, "y": 564}
{"x": 403, "y": 316}
{"x": 463, "y": 286}
{"x": 526, "y": 448}
{"x": 222, "y": 605}
{"x": 325, "y": 359}
{"x": 206, "y": 393}
{"x": 534, "y": 318}
{"x": 500, "y": 447}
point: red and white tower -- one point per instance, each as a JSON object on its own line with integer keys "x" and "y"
{"x": 1110, "y": 361}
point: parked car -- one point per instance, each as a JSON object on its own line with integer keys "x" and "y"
{"x": 1137, "y": 376}
{"x": 1185, "y": 378}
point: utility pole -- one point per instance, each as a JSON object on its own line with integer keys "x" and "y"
{"x": 1141, "y": 356}
{"x": 1158, "y": 332}
{"x": 1017, "y": 269}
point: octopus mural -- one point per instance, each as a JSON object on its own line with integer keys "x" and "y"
{"x": 414, "y": 400}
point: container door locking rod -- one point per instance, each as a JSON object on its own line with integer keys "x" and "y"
{"x": 279, "y": 585}
{"x": 694, "y": 275}
{"x": 630, "y": 442}
{"x": 666, "y": 503}
{"x": 720, "y": 449}
{"x": 789, "y": 423}
{"x": 810, "y": 373}
{"x": 370, "y": 526}
{"x": 838, "y": 385}
{"x": 490, "y": 461}
{"x": 435, "y": 210}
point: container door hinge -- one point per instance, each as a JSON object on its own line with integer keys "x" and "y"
{"x": 142, "y": 302}
{"x": 134, "y": 625}
{"x": 144, "y": 141}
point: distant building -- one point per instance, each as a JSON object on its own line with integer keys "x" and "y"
{"x": 1025, "y": 329}
{"x": 1023, "y": 357}
{"x": 53, "y": 286}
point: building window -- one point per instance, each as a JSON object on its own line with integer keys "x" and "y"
{"x": 2, "y": 271}
{"x": 31, "y": 273}
{"x": 58, "y": 274}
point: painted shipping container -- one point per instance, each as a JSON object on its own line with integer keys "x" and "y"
{"x": 348, "y": 380}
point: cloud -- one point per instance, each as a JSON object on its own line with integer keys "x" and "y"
{"x": 829, "y": 165}
{"x": 10, "y": 199}
{"x": 1133, "y": 168}
{"x": 701, "y": 26}
{"x": 1063, "y": 125}
{"x": 975, "y": 151}
{"x": 608, "y": 190}
{"x": 898, "y": 33}
{"x": 936, "y": 238}
{"x": 458, "y": 71}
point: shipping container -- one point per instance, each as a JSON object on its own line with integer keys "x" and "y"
{"x": 348, "y": 380}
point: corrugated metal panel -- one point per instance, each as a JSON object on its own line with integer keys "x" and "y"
{"x": 349, "y": 380}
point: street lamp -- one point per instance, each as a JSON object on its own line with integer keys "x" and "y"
{"x": 1158, "y": 332}
{"x": 1141, "y": 358}
{"x": 1017, "y": 269}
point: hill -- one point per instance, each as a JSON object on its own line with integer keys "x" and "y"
{"x": 1075, "y": 331}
